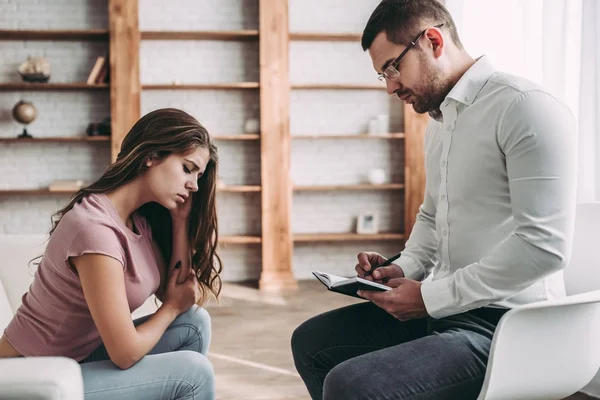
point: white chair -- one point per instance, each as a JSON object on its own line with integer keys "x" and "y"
{"x": 551, "y": 349}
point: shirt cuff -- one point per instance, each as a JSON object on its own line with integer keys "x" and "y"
{"x": 411, "y": 269}
{"x": 438, "y": 298}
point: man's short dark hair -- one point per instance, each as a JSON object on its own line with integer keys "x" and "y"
{"x": 401, "y": 20}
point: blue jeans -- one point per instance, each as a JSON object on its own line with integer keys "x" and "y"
{"x": 176, "y": 368}
{"x": 362, "y": 352}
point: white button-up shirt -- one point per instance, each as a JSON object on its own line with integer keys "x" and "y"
{"x": 497, "y": 219}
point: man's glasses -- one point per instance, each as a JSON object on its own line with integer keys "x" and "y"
{"x": 391, "y": 71}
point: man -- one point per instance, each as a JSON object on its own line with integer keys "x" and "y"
{"x": 495, "y": 226}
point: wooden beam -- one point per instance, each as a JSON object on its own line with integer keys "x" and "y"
{"x": 275, "y": 147}
{"x": 124, "y": 55}
{"x": 414, "y": 171}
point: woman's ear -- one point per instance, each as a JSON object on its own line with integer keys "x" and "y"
{"x": 151, "y": 160}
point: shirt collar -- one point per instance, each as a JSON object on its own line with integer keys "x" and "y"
{"x": 472, "y": 81}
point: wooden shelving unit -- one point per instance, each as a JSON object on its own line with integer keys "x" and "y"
{"x": 23, "y": 86}
{"x": 325, "y": 37}
{"x": 351, "y": 136}
{"x": 276, "y": 188}
{"x": 354, "y": 187}
{"x": 203, "y": 86}
{"x": 71, "y": 35}
{"x": 245, "y": 136}
{"x": 58, "y": 139}
{"x": 336, "y": 86}
{"x": 39, "y": 191}
{"x": 240, "y": 239}
{"x": 346, "y": 237}
{"x": 200, "y": 35}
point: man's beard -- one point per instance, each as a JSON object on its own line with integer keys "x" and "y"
{"x": 435, "y": 90}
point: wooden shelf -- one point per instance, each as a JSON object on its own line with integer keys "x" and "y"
{"x": 239, "y": 239}
{"x": 33, "y": 192}
{"x": 352, "y": 136}
{"x": 239, "y": 188}
{"x": 200, "y": 35}
{"x": 325, "y": 37}
{"x": 51, "y": 86}
{"x": 345, "y": 237}
{"x": 39, "y": 191}
{"x": 56, "y": 139}
{"x": 88, "y": 34}
{"x": 203, "y": 86}
{"x": 245, "y": 136}
{"x": 336, "y": 86}
{"x": 362, "y": 186}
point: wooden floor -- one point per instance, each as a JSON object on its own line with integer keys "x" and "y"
{"x": 250, "y": 348}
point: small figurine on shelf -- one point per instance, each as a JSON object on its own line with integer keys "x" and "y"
{"x": 24, "y": 112}
{"x": 35, "y": 70}
{"x": 101, "y": 128}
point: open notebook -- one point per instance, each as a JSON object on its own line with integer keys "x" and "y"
{"x": 348, "y": 286}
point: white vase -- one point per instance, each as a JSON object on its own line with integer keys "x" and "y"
{"x": 376, "y": 176}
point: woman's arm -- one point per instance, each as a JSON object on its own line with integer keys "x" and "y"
{"x": 182, "y": 249}
{"x": 103, "y": 284}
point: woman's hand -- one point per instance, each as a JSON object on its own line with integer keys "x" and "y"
{"x": 182, "y": 212}
{"x": 181, "y": 296}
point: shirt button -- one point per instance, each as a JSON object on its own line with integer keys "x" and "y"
{"x": 443, "y": 163}
{"x": 443, "y": 197}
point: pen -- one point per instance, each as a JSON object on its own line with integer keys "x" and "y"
{"x": 384, "y": 264}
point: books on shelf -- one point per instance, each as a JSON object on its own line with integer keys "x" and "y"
{"x": 66, "y": 185}
{"x": 100, "y": 71}
{"x": 348, "y": 286}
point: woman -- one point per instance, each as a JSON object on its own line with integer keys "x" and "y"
{"x": 147, "y": 226}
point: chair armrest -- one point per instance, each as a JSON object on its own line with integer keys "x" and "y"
{"x": 43, "y": 378}
{"x": 546, "y": 350}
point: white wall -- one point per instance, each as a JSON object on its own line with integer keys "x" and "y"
{"x": 314, "y": 161}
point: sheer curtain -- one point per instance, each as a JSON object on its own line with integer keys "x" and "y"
{"x": 553, "y": 42}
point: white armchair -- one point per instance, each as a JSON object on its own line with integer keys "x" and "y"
{"x": 39, "y": 378}
{"x": 551, "y": 349}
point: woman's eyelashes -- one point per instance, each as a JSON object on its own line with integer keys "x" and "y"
{"x": 186, "y": 169}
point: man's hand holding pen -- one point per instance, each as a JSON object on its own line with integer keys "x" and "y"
{"x": 404, "y": 301}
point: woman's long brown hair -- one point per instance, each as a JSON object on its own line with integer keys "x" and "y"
{"x": 156, "y": 135}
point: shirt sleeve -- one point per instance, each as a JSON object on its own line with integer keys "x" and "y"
{"x": 420, "y": 250}
{"x": 538, "y": 138}
{"x": 97, "y": 238}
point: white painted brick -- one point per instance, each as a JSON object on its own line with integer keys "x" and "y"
{"x": 220, "y": 111}
{"x": 330, "y": 15}
{"x": 341, "y": 111}
{"x": 335, "y": 212}
{"x": 198, "y": 15}
{"x": 192, "y": 61}
{"x": 345, "y": 161}
{"x": 239, "y": 214}
{"x": 69, "y": 61}
{"x": 336, "y": 258}
{"x": 331, "y": 62}
{"x": 58, "y": 113}
{"x": 55, "y": 14}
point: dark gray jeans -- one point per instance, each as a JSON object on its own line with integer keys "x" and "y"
{"x": 362, "y": 352}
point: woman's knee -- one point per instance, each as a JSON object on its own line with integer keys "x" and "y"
{"x": 199, "y": 320}
{"x": 198, "y": 371}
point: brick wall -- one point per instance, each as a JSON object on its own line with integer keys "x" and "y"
{"x": 314, "y": 161}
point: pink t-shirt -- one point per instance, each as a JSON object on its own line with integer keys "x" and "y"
{"x": 54, "y": 318}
